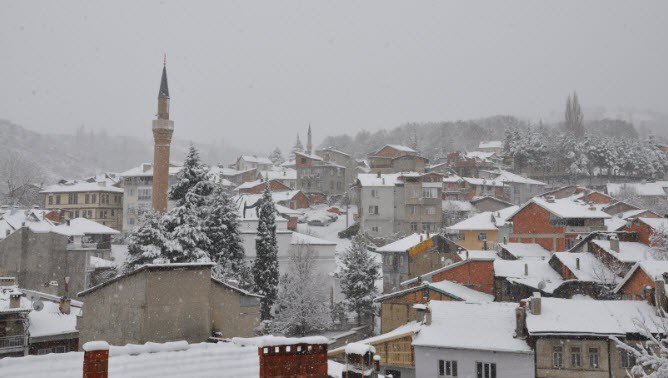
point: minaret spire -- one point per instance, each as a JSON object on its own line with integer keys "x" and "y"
{"x": 163, "y": 128}
{"x": 309, "y": 143}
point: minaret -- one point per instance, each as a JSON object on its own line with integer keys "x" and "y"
{"x": 309, "y": 144}
{"x": 163, "y": 128}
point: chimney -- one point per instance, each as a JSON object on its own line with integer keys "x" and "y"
{"x": 577, "y": 263}
{"x": 660, "y": 296}
{"x": 96, "y": 359}
{"x": 526, "y": 269}
{"x": 15, "y": 299}
{"x": 467, "y": 254}
{"x": 428, "y": 236}
{"x": 64, "y": 305}
{"x": 614, "y": 243}
{"x": 535, "y": 304}
{"x": 420, "y": 237}
{"x": 376, "y": 363}
{"x": 520, "y": 322}
{"x": 647, "y": 294}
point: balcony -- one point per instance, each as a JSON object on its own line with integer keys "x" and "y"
{"x": 12, "y": 343}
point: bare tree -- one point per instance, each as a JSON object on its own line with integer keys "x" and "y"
{"x": 573, "y": 116}
{"x": 20, "y": 179}
{"x": 650, "y": 356}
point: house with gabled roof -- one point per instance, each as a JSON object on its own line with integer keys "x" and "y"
{"x": 644, "y": 281}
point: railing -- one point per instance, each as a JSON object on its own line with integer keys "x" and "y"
{"x": 17, "y": 341}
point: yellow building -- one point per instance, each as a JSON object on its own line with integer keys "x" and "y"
{"x": 99, "y": 200}
{"x": 484, "y": 230}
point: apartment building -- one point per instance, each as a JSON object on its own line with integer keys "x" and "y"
{"x": 137, "y": 184}
{"x": 402, "y": 203}
{"x": 393, "y": 158}
{"x": 98, "y": 199}
{"x": 317, "y": 176}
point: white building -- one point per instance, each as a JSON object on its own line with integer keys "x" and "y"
{"x": 377, "y": 198}
{"x": 246, "y": 162}
{"x": 461, "y": 339}
{"x": 137, "y": 184}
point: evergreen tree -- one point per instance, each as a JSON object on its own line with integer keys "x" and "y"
{"x": 225, "y": 246}
{"x": 301, "y": 307}
{"x": 186, "y": 240}
{"x": 276, "y": 156}
{"x": 297, "y": 147}
{"x": 146, "y": 242}
{"x": 265, "y": 266}
{"x": 573, "y": 116}
{"x": 193, "y": 171}
{"x": 359, "y": 272}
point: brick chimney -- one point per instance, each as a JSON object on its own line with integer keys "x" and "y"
{"x": 15, "y": 299}
{"x": 96, "y": 359}
{"x": 535, "y": 304}
{"x": 520, "y": 322}
{"x": 360, "y": 362}
{"x": 660, "y": 295}
{"x": 295, "y": 360}
{"x": 64, "y": 305}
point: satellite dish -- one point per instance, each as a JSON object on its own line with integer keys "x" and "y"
{"x": 541, "y": 285}
{"x": 38, "y": 305}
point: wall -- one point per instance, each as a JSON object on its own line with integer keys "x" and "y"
{"x": 477, "y": 275}
{"x": 228, "y": 316}
{"x": 397, "y": 311}
{"x": 633, "y": 288}
{"x": 544, "y": 367}
{"x": 532, "y": 225}
{"x": 109, "y": 214}
{"x": 644, "y": 231}
{"x": 385, "y": 202}
{"x": 472, "y": 242}
{"x": 508, "y": 365}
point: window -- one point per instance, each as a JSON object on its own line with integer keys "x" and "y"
{"x": 87, "y": 198}
{"x": 447, "y": 368}
{"x": 94, "y": 198}
{"x": 414, "y": 227}
{"x": 375, "y": 229}
{"x": 76, "y": 213}
{"x": 415, "y": 193}
{"x": 557, "y": 357}
{"x": 57, "y": 199}
{"x": 628, "y": 359}
{"x": 144, "y": 194}
{"x": 426, "y": 227}
{"x": 429, "y": 192}
{"x": 482, "y": 236}
{"x": 414, "y": 210}
{"x": 576, "y": 360}
{"x": 374, "y": 193}
{"x": 72, "y": 198}
{"x": 373, "y": 210}
{"x": 50, "y": 200}
{"x": 593, "y": 358}
{"x": 112, "y": 212}
{"x": 485, "y": 369}
{"x": 431, "y": 210}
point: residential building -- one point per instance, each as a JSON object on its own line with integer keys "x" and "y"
{"x": 461, "y": 339}
{"x": 341, "y": 158}
{"x": 476, "y": 273}
{"x": 393, "y": 158}
{"x": 413, "y": 256}
{"x": 41, "y": 253}
{"x": 572, "y": 337}
{"x": 248, "y": 162}
{"x": 418, "y": 204}
{"x": 515, "y": 280}
{"x": 518, "y": 189}
{"x": 376, "y": 207}
{"x": 100, "y": 201}
{"x": 14, "y": 333}
{"x": 484, "y": 230}
{"x": 137, "y": 184}
{"x": 166, "y": 302}
{"x": 646, "y": 227}
{"x": 286, "y": 176}
{"x": 317, "y": 176}
{"x": 489, "y": 203}
{"x": 398, "y": 308}
{"x": 554, "y": 223}
{"x": 584, "y": 274}
{"x": 232, "y": 175}
{"x": 455, "y": 211}
{"x": 468, "y": 164}
{"x": 163, "y": 128}
{"x": 257, "y": 187}
{"x": 644, "y": 281}
{"x": 494, "y": 146}
{"x": 518, "y": 251}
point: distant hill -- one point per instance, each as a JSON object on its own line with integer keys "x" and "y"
{"x": 88, "y": 152}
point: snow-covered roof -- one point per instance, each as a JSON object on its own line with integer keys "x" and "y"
{"x": 283, "y": 174}
{"x": 657, "y": 188}
{"x": 82, "y": 186}
{"x": 250, "y": 184}
{"x": 427, "y": 276}
{"x": 506, "y": 176}
{"x": 460, "y": 291}
{"x": 537, "y": 274}
{"x": 310, "y": 156}
{"x": 491, "y": 144}
{"x": 658, "y": 224}
{"x": 256, "y": 159}
{"x": 567, "y": 208}
{"x": 473, "y": 326}
{"x": 49, "y": 321}
{"x": 654, "y": 269}
{"x": 398, "y": 147}
{"x": 485, "y": 221}
{"x": 36, "y": 222}
{"x": 483, "y": 182}
{"x": 526, "y": 250}
{"x": 97, "y": 262}
{"x": 614, "y": 224}
{"x": 151, "y": 359}
{"x": 146, "y": 170}
{"x": 591, "y": 269}
{"x": 298, "y": 238}
{"x": 407, "y": 329}
{"x": 475, "y": 254}
{"x": 457, "y": 205}
{"x": 404, "y": 244}
{"x": 84, "y": 226}
{"x": 591, "y": 317}
{"x": 480, "y": 155}
{"x": 372, "y": 179}
{"x": 629, "y": 252}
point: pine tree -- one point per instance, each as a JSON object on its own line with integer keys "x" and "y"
{"x": 276, "y": 156}
{"x": 297, "y": 147}
{"x": 225, "y": 246}
{"x": 301, "y": 307}
{"x": 192, "y": 172}
{"x": 573, "y": 116}
{"x": 265, "y": 266}
{"x": 359, "y": 272}
{"x": 186, "y": 240}
{"x": 146, "y": 242}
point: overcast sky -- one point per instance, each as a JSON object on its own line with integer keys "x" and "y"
{"x": 257, "y": 72}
